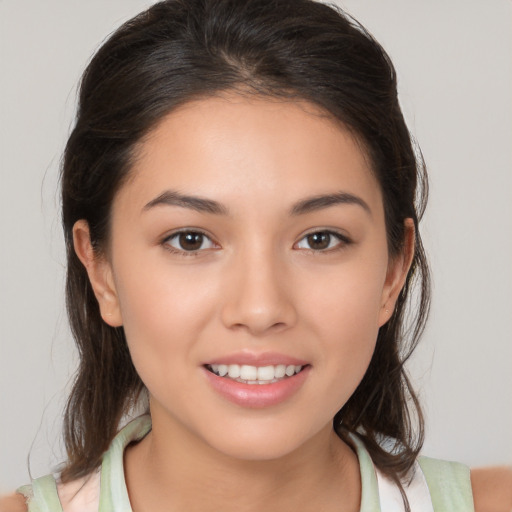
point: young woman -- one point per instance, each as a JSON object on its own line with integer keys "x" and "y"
{"x": 241, "y": 202}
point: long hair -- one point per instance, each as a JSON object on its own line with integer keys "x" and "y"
{"x": 180, "y": 50}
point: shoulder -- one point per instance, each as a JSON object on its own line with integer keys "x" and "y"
{"x": 49, "y": 493}
{"x": 81, "y": 494}
{"x": 449, "y": 484}
{"x": 13, "y": 503}
{"x": 492, "y": 489}
{"x": 485, "y": 489}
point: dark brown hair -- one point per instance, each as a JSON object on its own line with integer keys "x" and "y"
{"x": 180, "y": 50}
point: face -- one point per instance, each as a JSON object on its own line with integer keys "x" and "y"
{"x": 249, "y": 267}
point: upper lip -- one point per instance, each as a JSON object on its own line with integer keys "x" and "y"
{"x": 257, "y": 359}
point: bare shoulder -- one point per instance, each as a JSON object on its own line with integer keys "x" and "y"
{"x": 13, "y": 503}
{"x": 492, "y": 489}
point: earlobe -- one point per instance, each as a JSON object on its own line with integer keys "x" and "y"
{"x": 100, "y": 274}
{"x": 397, "y": 273}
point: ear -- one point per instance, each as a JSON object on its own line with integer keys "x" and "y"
{"x": 100, "y": 274}
{"x": 398, "y": 269}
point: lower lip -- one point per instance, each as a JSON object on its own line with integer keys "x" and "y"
{"x": 257, "y": 395}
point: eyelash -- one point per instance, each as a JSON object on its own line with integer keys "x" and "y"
{"x": 183, "y": 252}
{"x": 342, "y": 241}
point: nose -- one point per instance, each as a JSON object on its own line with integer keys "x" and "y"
{"x": 258, "y": 296}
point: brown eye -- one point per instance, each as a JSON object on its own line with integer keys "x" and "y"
{"x": 319, "y": 241}
{"x": 189, "y": 241}
{"x": 322, "y": 241}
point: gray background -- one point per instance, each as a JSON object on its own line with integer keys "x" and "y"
{"x": 454, "y": 61}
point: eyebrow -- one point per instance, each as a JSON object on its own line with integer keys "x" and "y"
{"x": 201, "y": 204}
{"x": 325, "y": 201}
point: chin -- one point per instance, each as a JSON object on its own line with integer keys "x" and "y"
{"x": 259, "y": 442}
{"x": 260, "y": 450}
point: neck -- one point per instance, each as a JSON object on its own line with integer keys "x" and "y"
{"x": 172, "y": 470}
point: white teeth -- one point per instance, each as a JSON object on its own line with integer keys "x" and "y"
{"x": 266, "y": 373}
{"x": 233, "y": 371}
{"x": 255, "y": 374}
{"x": 280, "y": 371}
{"x": 248, "y": 372}
{"x": 290, "y": 370}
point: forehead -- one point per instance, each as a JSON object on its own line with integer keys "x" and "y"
{"x": 236, "y": 146}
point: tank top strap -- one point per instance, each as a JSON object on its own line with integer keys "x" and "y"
{"x": 42, "y": 495}
{"x": 113, "y": 493}
{"x": 435, "y": 486}
{"x": 415, "y": 489}
{"x": 449, "y": 484}
{"x": 101, "y": 491}
{"x": 370, "y": 501}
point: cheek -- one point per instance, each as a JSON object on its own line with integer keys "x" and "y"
{"x": 163, "y": 313}
{"x": 343, "y": 308}
{"x": 347, "y": 300}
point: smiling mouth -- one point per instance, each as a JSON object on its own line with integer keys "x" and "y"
{"x": 247, "y": 374}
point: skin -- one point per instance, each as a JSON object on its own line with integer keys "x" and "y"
{"x": 492, "y": 492}
{"x": 492, "y": 489}
{"x": 255, "y": 285}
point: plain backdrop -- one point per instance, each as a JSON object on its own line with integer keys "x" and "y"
{"x": 454, "y": 62}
